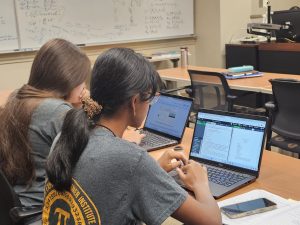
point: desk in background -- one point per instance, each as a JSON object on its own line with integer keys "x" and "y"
{"x": 260, "y": 85}
{"x": 279, "y": 174}
{"x": 241, "y": 54}
{"x": 255, "y": 84}
{"x": 266, "y": 57}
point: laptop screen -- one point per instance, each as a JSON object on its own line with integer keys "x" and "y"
{"x": 169, "y": 115}
{"x": 230, "y": 140}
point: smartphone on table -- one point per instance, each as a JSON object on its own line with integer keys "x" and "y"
{"x": 248, "y": 208}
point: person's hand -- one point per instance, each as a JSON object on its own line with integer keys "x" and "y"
{"x": 133, "y": 135}
{"x": 194, "y": 176}
{"x": 85, "y": 93}
{"x": 171, "y": 160}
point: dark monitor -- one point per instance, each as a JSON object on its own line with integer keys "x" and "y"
{"x": 290, "y": 17}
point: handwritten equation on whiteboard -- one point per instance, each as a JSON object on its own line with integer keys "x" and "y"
{"x": 101, "y": 21}
{"x": 8, "y": 29}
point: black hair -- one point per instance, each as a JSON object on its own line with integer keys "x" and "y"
{"x": 118, "y": 75}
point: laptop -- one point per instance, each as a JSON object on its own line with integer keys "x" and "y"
{"x": 231, "y": 147}
{"x": 166, "y": 121}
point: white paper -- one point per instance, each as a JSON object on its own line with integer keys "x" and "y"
{"x": 289, "y": 215}
{"x": 258, "y": 193}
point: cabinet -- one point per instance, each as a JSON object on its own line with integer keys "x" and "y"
{"x": 241, "y": 54}
{"x": 265, "y": 57}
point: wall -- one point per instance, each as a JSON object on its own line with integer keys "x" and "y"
{"x": 235, "y": 15}
{"x": 275, "y": 5}
{"x": 216, "y": 22}
{"x": 220, "y": 21}
{"x": 15, "y": 67}
{"x": 207, "y": 20}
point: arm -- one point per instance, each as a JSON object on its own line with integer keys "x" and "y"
{"x": 133, "y": 135}
{"x": 156, "y": 196}
{"x": 77, "y": 94}
{"x": 171, "y": 160}
{"x": 203, "y": 209}
{"x": 193, "y": 212}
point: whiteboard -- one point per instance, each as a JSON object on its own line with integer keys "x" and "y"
{"x": 102, "y": 21}
{"x": 8, "y": 28}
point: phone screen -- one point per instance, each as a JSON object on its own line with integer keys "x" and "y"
{"x": 245, "y": 208}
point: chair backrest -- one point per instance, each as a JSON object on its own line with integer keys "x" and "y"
{"x": 209, "y": 89}
{"x": 8, "y": 200}
{"x": 286, "y": 117}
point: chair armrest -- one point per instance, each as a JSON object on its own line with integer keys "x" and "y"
{"x": 271, "y": 109}
{"x": 189, "y": 91}
{"x": 231, "y": 97}
{"x": 270, "y": 106}
{"x": 18, "y": 214}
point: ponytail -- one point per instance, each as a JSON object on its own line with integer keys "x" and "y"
{"x": 68, "y": 149}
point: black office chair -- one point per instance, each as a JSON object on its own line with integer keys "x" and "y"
{"x": 11, "y": 210}
{"x": 284, "y": 113}
{"x": 210, "y": 90}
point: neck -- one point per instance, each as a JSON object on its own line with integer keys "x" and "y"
{"x": 116, "y": 124}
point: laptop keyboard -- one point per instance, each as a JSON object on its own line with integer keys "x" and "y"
{"x": 223, "y": 177}
{"x": 219, "y": 176}
{"x": 153, "y": 140}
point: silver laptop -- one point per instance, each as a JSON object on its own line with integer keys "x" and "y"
{"x": 231, "y": 147}
{"x": 166, "y": 121}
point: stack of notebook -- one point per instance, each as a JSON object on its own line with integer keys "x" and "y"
{"x": 241, "y": 72}
{"x": 252, "y": 73}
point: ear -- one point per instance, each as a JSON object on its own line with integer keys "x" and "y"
{"x": 133, "y": 103}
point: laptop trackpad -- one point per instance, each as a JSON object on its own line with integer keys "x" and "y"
{"x": 219, "y": 190}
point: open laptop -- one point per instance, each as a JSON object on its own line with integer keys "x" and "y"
{"x": 231, "y": 147}
{"x": 166, "y": 121}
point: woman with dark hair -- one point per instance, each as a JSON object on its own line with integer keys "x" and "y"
{"x": 33, "y": 115}
{"x": 95, "y": 177}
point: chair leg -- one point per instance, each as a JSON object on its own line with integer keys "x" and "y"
{"x": 269, "y": 136}
{"x": 268, "y": 145}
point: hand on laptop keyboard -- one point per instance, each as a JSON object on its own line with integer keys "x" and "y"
{"x": 171, "y": 160}
{"x": 133, "y": 135}
{"x": 194, "y": 177}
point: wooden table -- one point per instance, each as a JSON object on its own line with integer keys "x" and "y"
{"x": 279, "y": 174}
{"x": 255, "y": 84}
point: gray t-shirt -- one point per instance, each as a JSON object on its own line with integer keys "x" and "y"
{"x": 114, "y": 182}
{"x": 46, "y": 122}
